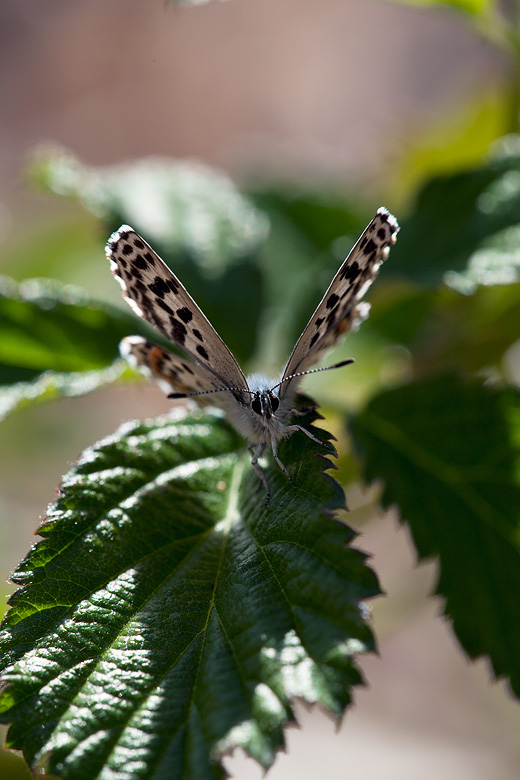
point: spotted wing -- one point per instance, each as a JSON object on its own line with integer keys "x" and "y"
{"x": 171, "y": 371}
{"x": 156, "y": 295}
{"x": 341, "y": 310}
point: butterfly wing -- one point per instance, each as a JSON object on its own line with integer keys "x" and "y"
{"x": 340, "y": 309}
{"x": 156, "y": 295}
{"x": 171, "y": 371}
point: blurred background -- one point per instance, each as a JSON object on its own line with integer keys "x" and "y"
{"x": 367, "y": 97}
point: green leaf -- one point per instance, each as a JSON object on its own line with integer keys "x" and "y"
{"x": 45, "y": 325}
{"x": 321, "y": 214}
{"x": 168, "y": 616}
{"x": 469, "y": 333}
{"x": 57, "y": 342}
{"x": 456, "y": 141}
{"x": 192, "y": 215}
{"x": 312, "y": 231}
{"x": 192, "y": 209}
{"x": 479, "y": 8}
{"x": 465, "y": 228}
{"x": 50, "y": 385}
{"x": 13, "y": 767}
{"x": 443, "y": 330}
{"x": 448, "y": 454}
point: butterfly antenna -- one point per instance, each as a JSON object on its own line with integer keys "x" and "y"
{"x": 314, "y": 371}
{"x": 244, "y": 390}
{"x": 207, "y": 392}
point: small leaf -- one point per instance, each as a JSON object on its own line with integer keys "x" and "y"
{"x": 448, "y": 454}
{"x": 45, "y": 325}
{"x": 168, "y": 616}
{"x": 465, "y": 228}
{"x": 478, "y": 8}
{"x": 50, "y": 385}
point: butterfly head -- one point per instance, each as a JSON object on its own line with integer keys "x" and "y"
{"x": 264, "y": 403}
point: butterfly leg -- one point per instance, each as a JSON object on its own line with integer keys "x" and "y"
{"x": 274, "y": 445}
{"x": 293, "y": 428}
{"x": 257, "y": 453}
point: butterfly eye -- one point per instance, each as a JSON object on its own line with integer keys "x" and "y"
{"x": 275, "y": 403}
{"x": 256, "y": 406}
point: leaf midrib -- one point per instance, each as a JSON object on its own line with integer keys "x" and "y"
{"x": 449, "y": 476}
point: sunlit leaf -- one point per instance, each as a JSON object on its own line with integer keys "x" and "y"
{"x": 168, "y": 615}
{"x": 465, "y": 227}
{"x": 192, "y": 215}
{"x": 51, "y": 385}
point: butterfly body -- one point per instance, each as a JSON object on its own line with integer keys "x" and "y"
{"x": 258, "y": 407}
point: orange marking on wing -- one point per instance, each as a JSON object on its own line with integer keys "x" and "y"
{"x": 156, "y": 357}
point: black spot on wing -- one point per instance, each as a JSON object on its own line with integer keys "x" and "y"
{"x": 164, "y": 306}
{"x": 197, "y": 334}
{"x": 140, "y": 262}
{"x": 178, "y": 331}
{"x": 185, "y": 314}
{"x": 332, "y": 317}
{"x": 351, "y": 273}
{"x": 332, "y": 301}
{"x": 142, "y": 288}
{"x": 127, "y": 249}
{"x": 202, "y": 352}
{"x": 370, "y": 247}
{"x": 159, "y": 287}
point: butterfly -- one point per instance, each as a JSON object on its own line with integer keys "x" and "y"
{"x": 258, "y": 407}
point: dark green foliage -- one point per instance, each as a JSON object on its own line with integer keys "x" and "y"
{"x": 465, "y": 227}
{"x": 168, "y": 613}
{"x": 448, "y": 454}
{"x": 192, "y": 215}
{"x": 47, "y": 326}
{"x": 168, "y": 616}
